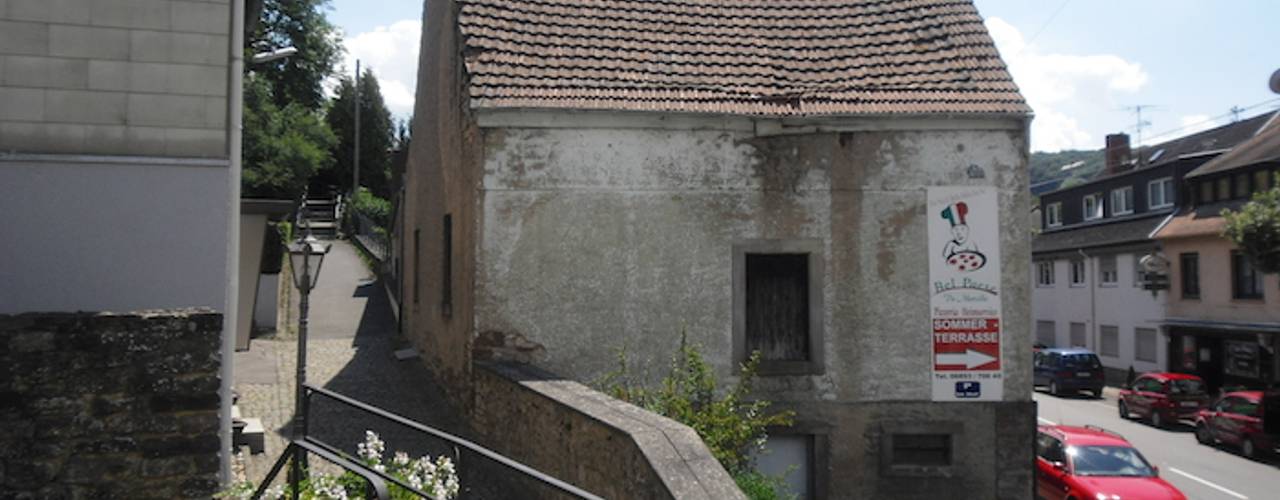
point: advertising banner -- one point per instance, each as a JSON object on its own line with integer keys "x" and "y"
{"x": 964, "y": 293}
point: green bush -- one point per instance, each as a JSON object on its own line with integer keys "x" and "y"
{"x": 376, "y": 209}
{"x": 733, "y": 427}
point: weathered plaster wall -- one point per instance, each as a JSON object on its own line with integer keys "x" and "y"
{"x": 598, "y": 239}
{"x": 109, "y": 405}
{"x": 595, "y": 240}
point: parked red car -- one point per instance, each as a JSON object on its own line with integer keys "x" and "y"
{"x": 1090, "y": 463}
{"x": 1249, "y": 420}
{"x": 1163, "y": 398}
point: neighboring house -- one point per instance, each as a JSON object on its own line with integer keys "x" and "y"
{"x": 1223, "y": 316}
{"x": 591, "y": 177}
{"x": 117, "y": 193}
{"x": 1088, "y": 284}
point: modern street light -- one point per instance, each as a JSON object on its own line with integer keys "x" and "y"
{"x": 275, "y": 55}
{"x": 305, "y": 258}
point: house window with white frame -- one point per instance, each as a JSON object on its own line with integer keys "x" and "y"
{"x": 1053, "y": 214}
{"x": 1044, "y": 273}
{"x": 1107, "y": 274}
{"x": 1077, "y": 273}
{"x": 1122, "y": 201}
{"x": 1092, "y": 207}
{"x": 1160, "y": 193}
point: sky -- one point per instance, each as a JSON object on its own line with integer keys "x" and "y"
{"x": 1082, "y": 64}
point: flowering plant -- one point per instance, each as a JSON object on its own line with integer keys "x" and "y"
{"x": 438, "y": 478}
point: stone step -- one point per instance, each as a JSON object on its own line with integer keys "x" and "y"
{"x": 253, "y": 435}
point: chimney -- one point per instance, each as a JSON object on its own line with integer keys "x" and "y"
{"x": 1117, "y": 152}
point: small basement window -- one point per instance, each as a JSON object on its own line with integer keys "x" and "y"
{"x": 928, "y": 450}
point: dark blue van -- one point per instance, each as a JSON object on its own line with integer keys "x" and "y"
{"x": 1069, "y": 371}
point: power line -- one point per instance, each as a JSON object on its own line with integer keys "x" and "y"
{"x": 1235, "y": 111}
{"x": 1041, "y": 29}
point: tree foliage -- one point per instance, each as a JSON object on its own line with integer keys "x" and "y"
{"x": 302, "y": 24}
{"x": 378, "y": 136}
{"x": 283, "y": 146}
{"x": 1256, "y": 230}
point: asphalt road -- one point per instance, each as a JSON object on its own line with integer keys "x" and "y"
{"x": 1201, "y": 472}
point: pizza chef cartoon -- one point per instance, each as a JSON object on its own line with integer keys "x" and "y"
{"x": 961, "y": 252}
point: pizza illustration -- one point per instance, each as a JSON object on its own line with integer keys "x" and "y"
{"x": 967, "y": 260}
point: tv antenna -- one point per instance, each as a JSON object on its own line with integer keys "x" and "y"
{"x": 1139, "y": 122}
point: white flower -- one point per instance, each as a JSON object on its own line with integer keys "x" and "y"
{"x": 401, "y": 458}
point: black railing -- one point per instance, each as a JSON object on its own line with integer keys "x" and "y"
{"x": 375, "y": 480}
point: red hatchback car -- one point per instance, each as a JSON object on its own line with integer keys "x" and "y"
{"x": 1163, "y": 398}
{"x": 1249, "y": 420}
{"x": 1090, "y": 463}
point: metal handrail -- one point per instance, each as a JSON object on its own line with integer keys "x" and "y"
{"x": 480, "y": 450}
{"x": 377, "y": 487}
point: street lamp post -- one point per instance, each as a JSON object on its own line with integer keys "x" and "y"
{"x": 305, "y": 257}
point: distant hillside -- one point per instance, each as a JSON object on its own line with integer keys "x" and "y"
{"x": 1048, "y": 166}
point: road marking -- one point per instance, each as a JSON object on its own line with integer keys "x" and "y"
{"x": 1207, "y": 483}
{"x": 1045, "y": 420}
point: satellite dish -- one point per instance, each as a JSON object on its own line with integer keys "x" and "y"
{"x": 1275, "y": 82}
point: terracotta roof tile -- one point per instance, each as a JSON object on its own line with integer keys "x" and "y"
{"x": 747, "y": 57}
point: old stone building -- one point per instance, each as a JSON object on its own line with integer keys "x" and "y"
{"x": 760, "y": 175}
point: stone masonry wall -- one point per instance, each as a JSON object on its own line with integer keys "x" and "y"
{"x": 109, "y": 405}
{"x": 608, "y": 447}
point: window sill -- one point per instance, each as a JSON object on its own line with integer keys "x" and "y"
{"x": 1079, "y": 285}
{"x": 1041, "y": 285}
{"x": 1158, "y": 207}
{"x": 1120, "y": 214}
{"x": 786, "y": 368}
{"x": 1108, "y": 285}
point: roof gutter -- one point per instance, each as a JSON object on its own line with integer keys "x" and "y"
{"x": 1163, "y": 223}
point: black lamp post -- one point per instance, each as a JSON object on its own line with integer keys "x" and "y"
{"x": 305, "y": 257}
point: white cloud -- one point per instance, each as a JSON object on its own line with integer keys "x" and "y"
{"x": 1065, "y": 90}
{"x": 391, "y": 52}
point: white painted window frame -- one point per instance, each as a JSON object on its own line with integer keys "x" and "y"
{"x": 1095, "y": 212}
{"x": 1119, "y": 204}
{"x": 1082, "y": 274}
{"x": 1053, "y": 214}
{"x": 1158, "y": 186}
{"x": 1041, "y": 274}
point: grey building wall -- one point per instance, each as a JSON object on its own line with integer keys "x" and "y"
{"x": 112, "y": 237}
{"x": 119, "y": 77}
{"x": 599, "y": 239}
{"x": 113, "y": 154}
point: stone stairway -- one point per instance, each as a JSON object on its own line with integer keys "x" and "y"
{"x": 321, "y": 215}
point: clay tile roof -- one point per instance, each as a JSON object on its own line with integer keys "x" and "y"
{"x": 743, "y": 57}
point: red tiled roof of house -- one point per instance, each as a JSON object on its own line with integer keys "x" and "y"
{"x": 741, "y": 57}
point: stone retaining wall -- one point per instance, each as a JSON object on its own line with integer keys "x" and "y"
{"x": 605, "y": 446}
{"x": 109, "y": 405}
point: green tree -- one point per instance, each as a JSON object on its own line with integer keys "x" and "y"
{"x": 377, "y": 136}
{"x": 297, "y": 79}
{"x": 283, "y": 146}
{"x": 1256, "y": 230}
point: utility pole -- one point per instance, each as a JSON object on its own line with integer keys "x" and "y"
{"x": 1235, "y": 113}
{"x": 355, "y": 155}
